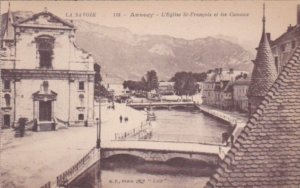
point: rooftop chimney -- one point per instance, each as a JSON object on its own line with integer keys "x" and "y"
{"x": 298, "y": 14}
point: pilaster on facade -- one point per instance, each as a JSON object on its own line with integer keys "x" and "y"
{"x": 52, "y": 79}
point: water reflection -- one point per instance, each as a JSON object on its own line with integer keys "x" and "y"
{"x": 130, "y": 172}
{"x": 125, "y": 171}
{"x": 188, "y": 125}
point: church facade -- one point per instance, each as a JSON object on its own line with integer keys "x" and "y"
{"x": 45, "y": 77}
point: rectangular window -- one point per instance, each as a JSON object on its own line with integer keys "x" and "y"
{"x": 6, "y": 120}
{"x": 81, "y": 85}
{"x": 80, "y": 117}
{"x": 6, "y": 84}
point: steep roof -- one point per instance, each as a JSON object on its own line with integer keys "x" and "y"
{"x": 242, "y": 81}
{"x": 15, "y": 17}
{"x": 224, "y": 75}
{"x": 267, "y": 152}
{"x": 264, "y": 72}
{"x": 7, "y": 32}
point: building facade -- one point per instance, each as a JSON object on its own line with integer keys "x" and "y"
{"x": 165, "y": 88}
{"x": 46, "y": 78}
{"x": 240, "y": 89}
{"x": 218, "y": 90}
{"x": 284, "y": 46}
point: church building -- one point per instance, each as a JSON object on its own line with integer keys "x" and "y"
{"x": 45, "y": 77}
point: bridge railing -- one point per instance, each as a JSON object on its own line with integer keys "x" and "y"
{"x": 47, "y": 185}
{"x": 205, "y": 140}
{"x": 231, "y": 120}
{"x": 63, "y": 179}
{"x": 159, "y": 103}
{"x": 139, "y": 132}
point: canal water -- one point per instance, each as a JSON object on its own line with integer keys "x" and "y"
{"x": 181, "y": 125}
{"x": 188, "y": 125}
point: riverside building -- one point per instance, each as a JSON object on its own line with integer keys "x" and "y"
{"x": 45, "y": 77}
{"x": 285, "y": 45}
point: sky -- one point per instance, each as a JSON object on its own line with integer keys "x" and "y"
{"x": 246, "y": 27}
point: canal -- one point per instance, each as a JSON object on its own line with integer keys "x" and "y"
{"x": 181, "y": 125}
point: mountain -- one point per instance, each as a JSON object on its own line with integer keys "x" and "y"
{"x": 248, "y": 45}
{"x": 124, "y": 55}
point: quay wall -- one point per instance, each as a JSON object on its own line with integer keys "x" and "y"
{"x": 224, "y": 117}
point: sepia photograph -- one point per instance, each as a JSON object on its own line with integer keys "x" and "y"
{"x": 148, "y": 94}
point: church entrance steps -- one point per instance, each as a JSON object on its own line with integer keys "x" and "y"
{"x": 46, "y": 126}
{"x": 60, "y": 124}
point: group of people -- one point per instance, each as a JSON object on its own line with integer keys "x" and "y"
{"x": 111, "y": 107}
{"x": 125, "y": 119}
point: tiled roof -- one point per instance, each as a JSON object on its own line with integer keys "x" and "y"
{"x": 223, "y": 75}
{"x": 267, "y": 152}
{"x": 15, "y": 17}
{"x": 8, "y": 30}
{"x": 264, "y": 72}
{"x": 242, "y": 81}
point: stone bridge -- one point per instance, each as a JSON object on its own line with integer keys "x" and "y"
{"x": 164, "y": 151}
{"x": 167, "y": 105}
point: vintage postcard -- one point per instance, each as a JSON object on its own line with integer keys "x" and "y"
{"x": 146, "y": 94}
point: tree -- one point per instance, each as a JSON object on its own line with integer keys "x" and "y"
{"x": 151, "y": 80}
{"x": 147, "y": 83}
{"x": 99, "y": 90}
{"x": 200, "y": 77}
{"x": 179, "y": 79}
{"x": 190, "y": 86}
{"x": 185, "y": 83}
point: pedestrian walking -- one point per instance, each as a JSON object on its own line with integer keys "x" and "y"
{"x": 121, "y": 118}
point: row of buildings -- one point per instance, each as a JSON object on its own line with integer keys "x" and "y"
{"x": 45, "y": 76}
{"x": 227, "y": 90}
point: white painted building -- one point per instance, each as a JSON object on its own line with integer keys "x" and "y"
{"x": 46, "y": 78}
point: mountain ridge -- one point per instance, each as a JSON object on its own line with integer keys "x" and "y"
{"x": 125, "y": 55}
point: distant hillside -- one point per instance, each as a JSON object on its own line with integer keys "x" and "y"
{"x": 124, "y": 55}
{"x": 128, "y": 56}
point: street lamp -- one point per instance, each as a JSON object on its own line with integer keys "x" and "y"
{"x": 98, "y": 138}
{"x": 98, "y": 126}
